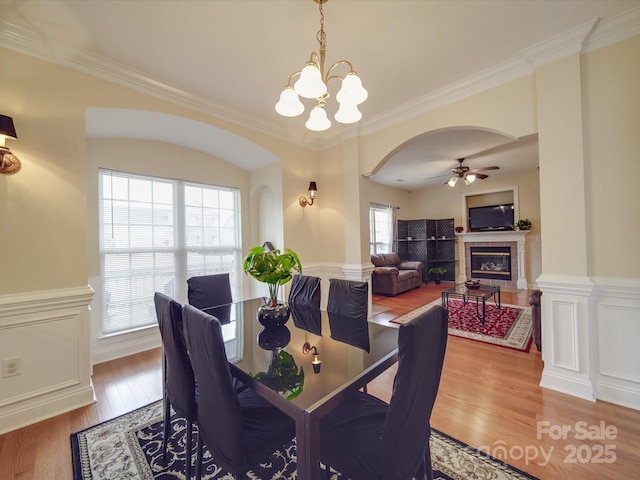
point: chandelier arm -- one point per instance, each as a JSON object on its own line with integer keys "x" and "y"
{"x": 291, "y": 77}
{"x": 336, "y": 65}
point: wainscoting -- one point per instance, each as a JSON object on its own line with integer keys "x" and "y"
{"x": 590, "y": 331}
{"x": 47, "y": 334}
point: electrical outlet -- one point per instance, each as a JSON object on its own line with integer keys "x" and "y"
{"x": 11, "y": 367}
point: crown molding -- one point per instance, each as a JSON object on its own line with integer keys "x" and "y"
{"x": 583, "y": 38}
{"x": 20, "y": 39}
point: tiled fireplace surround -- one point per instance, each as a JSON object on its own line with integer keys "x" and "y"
{"x": 513, "y": 239}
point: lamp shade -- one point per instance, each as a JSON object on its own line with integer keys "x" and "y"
{"x": 348, "y": 113}
{"x": 352, "y": 90}
{"x": 310, "y": 84}
{"x": 289, "y": 104}
{"x": 6, "y": 127}
{"x": 312, "y": 189}
{"x": 318, "y": 120}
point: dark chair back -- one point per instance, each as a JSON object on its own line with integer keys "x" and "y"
{"x": 305, "y": 291}
{"x": 421, "y": 344}
{"x": 219, "y": 417}
{"x": 179, "y": 379}
{"x": 209, "y": 290}
{"x": 348, "y": 298}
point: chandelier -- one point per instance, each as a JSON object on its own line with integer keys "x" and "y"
{"x": 312, "y": 83}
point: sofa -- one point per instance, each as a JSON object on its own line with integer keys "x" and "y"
{"x": 392, "y": 276}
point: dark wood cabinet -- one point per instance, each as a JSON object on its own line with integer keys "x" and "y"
{"x": 430, "y": 241}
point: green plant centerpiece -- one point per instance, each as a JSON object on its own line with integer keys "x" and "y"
{"x": 275, "y": 268}
{"x": 283, "y": 375}
{"x": 438, "y": 272}
{"x": 522, "y": 225}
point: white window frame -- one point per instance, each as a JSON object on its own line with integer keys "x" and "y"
{"x": 377, "y": 245}
{"x": 179, "y": 248}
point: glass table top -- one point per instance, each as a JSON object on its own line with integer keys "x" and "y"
{"x": 345, "y": 349}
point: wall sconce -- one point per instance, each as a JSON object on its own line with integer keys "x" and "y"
{"x": 9, "y": 163}
{"x": 316, "y": 363}
{"x": 313, "y": 189}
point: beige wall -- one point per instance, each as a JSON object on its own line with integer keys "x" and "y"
{"x": 611, "y": 83}
{"x": 43, "y": 209}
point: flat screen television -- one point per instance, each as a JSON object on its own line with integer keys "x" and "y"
{"x": 492, "y": 217}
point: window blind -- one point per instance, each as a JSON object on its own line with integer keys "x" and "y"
{"x": 154, "y": 234}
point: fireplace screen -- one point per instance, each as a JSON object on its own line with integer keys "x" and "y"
{"x": 491, "y": 262}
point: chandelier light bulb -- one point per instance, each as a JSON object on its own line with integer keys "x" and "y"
{"x": 318, "y": 120}
{"x": 452, "y": 181}
{"x": 310, "y": 84}
{"x": 348, "y": 113}
{"x": 352, "y": 90}
{"x": 289, "y": 104}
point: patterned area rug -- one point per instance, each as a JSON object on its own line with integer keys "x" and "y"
{"x": 130, "y": 447}
{"x": 509, "y": 326}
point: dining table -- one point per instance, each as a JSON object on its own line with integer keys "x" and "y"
{"x": 333, "y": 356}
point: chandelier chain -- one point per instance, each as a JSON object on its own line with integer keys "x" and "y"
{"x": 322, "y": 40}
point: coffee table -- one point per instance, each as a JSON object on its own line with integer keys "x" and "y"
{"x": 481, "y": 292}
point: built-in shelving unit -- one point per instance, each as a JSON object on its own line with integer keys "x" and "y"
{"x": 429, "y": 241}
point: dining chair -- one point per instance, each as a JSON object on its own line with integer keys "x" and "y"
{"x": 179, "y": 385}
{"x": 365, "y": 438}
{"x": 209, "y": 290}
{"x": 348, "y": 297}
{"x": 305, "y": 291}
{"x": 239, "y": 430}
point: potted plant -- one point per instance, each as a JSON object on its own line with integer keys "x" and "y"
{"x": 273, "y": 268}
{"x": 438, "y": 272}
{"x": 522, "y": 225}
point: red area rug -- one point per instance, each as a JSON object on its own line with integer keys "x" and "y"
{"x": 509, "y": 326}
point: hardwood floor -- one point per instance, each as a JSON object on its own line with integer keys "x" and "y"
{"x": 489, "y": 396}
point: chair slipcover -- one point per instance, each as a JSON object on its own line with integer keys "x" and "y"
{"x": 348, "y": 308}
{"x": 209, "y": 290}
{"x": 305, "y": 291}
{"x": 239, "y": 430}
{"x": 365, "y": 438}
{"x": 179, "y": 381}
{"x": 348, "y": 297}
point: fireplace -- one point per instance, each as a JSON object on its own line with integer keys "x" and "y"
{"x": 492, "y": 262}
{"x": 513, "y": 240}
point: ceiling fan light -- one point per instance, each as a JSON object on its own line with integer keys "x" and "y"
{"x": 289, "y": 104}
{"x": 310, "y": 84}
{"x": 452, "y": 181}
{"x": 318, "y": 120}
{"x": 469, "y": 179}
{"x": 348, "y": 113}
{"x": 352, "y": 90}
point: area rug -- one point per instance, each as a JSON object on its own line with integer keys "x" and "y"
{"x": 509, "y": 326}
{"x": 130, "y": 447}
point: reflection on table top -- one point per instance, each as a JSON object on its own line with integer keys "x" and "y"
{"x": 341, "y": 362}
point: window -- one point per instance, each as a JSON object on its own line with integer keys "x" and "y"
{"x": 154, "y": 234}
{"x": 381, "y": 229}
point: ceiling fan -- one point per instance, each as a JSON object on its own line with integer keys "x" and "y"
{"x": 468, "y": 175}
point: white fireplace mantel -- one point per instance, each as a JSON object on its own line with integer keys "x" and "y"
{"x": 493, "y": 237}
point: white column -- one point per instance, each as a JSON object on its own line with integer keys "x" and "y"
{"x": 522, "y": 266}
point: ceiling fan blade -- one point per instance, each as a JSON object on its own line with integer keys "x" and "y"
{"x": 438, "y": 176}
{"x": 481, "y": 176}
{"x": 480, "y": 169}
